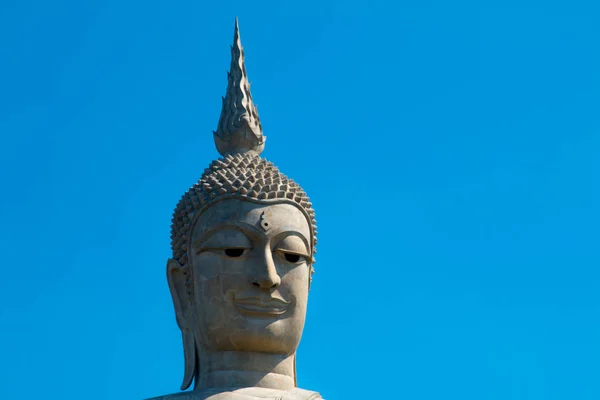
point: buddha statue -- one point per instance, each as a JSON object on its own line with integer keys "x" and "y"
{"x": 243, "y": 240}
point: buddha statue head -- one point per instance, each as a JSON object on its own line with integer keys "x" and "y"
{"x": 243, "y": 241}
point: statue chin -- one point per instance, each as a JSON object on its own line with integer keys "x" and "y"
{"x": 243, "y": 241}
{"x": 255, "y": 334}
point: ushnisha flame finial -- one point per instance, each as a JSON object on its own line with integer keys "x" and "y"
{"x": 239, "y": 130}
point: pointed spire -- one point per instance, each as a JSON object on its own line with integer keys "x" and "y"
{"x": 239, "y": 129}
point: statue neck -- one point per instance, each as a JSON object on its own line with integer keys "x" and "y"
{"x": 237, "y": 369}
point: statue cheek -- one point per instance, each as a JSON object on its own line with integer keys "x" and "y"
{"x": 294, "y": 285}
{"x": 214, "y": 272}
{"x": 297, "y": 278}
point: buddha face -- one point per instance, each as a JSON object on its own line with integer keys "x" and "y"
{"x": 250, "y": 277}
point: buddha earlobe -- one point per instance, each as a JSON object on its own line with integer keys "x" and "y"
{"x": 184, "y": 313}
{"x": 189, "y": 358}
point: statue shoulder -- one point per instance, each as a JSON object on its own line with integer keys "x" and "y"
{"x": 306, "y": 394}
{"x": 178, "y": 396}
{"x": 258, "y": 393}
{"x": 244, "y": 394}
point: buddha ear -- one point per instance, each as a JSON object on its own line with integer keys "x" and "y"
{"x": 179, "y": 293}
{"x": 184, "y": 314}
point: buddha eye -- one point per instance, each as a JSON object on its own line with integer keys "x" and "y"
{"x": 292, "y": 258}
{"x": 291, "y": 249}
{"x": 235, "y": 252}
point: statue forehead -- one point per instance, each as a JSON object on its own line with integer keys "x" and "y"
{"x": 274, "y": 215}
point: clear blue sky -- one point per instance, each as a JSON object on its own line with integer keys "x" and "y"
{"x": 451, "y": 150}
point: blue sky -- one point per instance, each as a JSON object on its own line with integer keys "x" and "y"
{"x": 451, "y": 151}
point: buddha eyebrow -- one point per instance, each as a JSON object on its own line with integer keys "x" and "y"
{"x": 242, "y": 227}
{"x": 283, "y": 234}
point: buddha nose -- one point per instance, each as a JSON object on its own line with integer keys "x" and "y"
{"x": 266, "y": 276}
